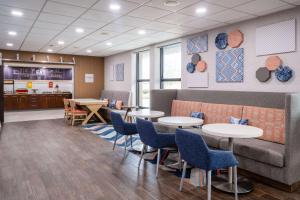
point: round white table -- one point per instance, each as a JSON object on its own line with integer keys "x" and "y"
{"x": 146, "y": 114}
{"x": 232, "y": 131}
{"x": 179, "y": 121}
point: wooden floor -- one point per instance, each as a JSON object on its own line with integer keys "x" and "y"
{"x": 51, "y": 160}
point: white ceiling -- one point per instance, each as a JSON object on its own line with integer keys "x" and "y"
{"x": 45, "y": 22}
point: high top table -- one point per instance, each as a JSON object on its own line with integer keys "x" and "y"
{"x": 232, "y": 131}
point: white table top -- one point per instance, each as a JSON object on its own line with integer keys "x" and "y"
{"x": 180, "y": 121}
{"x": 232, "y": 130}
{"x": 145, "y": 113}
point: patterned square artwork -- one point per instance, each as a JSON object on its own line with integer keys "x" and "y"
{"x": 119, "y": 70}
{"x": 197, "y": 44}
{"x": 230, "y": 65}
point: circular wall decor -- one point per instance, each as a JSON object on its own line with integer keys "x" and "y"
{"x": 190, "y": 67}
{"x": 221, "y": 41}
{"x": 235, "y": 38}
{"x": 195, "y": 58}
{"x": 273, "y": 62}
{"x": 263, "y": 74}
{"x": 284, "y": 74}
{"x": 201, "y": 66}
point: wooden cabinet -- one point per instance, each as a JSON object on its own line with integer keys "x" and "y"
{"x": 34, "y": 101}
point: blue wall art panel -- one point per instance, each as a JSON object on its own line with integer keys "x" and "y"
{"x": 119, "y": 69}
{"x": 197, "y": 44}
{"x": 230, "y": 65}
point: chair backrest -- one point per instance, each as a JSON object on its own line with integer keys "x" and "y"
{"x": 66, "y": 103}
{"x": 192, "y": 148}
{"x": 117, "y": 122}
{"x": 72, "y": 104}
{"x": 147, "y": 132}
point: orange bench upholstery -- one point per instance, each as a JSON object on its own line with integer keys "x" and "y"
{"x": 271, "y": 120}
{"x": 185, "y": 108}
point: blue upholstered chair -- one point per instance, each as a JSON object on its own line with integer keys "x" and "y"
{"x": 123, "y": 128}
{"x": 194, "y": 151}
{"x": 151, "y": 138}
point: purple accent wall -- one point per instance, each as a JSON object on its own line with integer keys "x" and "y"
{"x": 36, "y": 73}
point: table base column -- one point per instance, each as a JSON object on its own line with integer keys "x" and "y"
{"x": 221, "y": 183}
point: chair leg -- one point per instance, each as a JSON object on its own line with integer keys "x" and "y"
{"x": 73, "y": 120}
{"x": 125, "y": 144}
{"x": 157, "y": 162}
{"x": 115, "y": 141}
{"x": 209, "y": 185}
{"x": 131, "y": 141}
{"x": 235, "y": 183}
{"x": 183, "y": 176}
{"x": 179, "y": 161}
{"x": 142, "y": 154}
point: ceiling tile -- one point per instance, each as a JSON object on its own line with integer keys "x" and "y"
{"x": 80, "y": 3}
{"x": 101, "y": 35}
{"x": 135, "y": 32}
{"x": 10, "y": 27}
{"x": 201, "y": 23}
{"x": 88, "y": 24}
{"x": 119, "y": 28}
{"x": 139, "y": 1}
{"x": 211, "y": 9}
{"x": 259, "y": 6}
{"x": 229, "y": 15}
{"x": 47, "y": 25}
{"x": 16, "y": 43}
{"x": 159, "y": 26}
{"x": 99, "y": 16}
{"x": 149, "y": 13}
{"x": 266, "y": 12}
{"x": 180, "y": 30}
{"x": 27, "y": 14}
{"x": 26, "y": 4}
{"x": 176, "y": 18}
{"x": 59, "y": 9}
{"x": 132, "y": 21}
{"x": 228, "y": 3}
{"x": 182, "y": 4}
{"x": 295, "y": 2}
{"x": 126, "y": 6}
{"x": 15, "y": 21}
{"x": 54, "y": 18}
{"x": 44, "y": 31}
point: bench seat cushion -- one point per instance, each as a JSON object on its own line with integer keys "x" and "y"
{"x": 211, "y": 141}
{"x": 259, "y": 150}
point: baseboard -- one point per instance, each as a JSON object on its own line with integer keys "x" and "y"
{"x": 270, "y": 182}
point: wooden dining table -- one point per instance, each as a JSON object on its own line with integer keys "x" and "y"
{"x": 93, "y": 105}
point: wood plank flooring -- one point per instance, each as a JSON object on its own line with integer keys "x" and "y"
{"x": 49, "y": 160}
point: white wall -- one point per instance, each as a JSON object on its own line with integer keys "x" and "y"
{"x": 251, "y": 62}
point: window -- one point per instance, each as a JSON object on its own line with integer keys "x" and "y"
{"x": 170, "y": 67}
{"x": 143, "y": 79}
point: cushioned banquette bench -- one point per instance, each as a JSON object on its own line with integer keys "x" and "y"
{"x": 123, "y": 96}
{"x": 276, "y": 155}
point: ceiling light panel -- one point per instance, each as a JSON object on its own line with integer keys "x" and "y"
{"x": 162, "y": 4}
{"x": 125, "y": 6}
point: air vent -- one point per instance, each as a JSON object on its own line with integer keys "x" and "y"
{"x": 171, "y": 3}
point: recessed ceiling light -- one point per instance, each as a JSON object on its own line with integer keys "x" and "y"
{"x": 12, "y": 33}
{"x": 141, "y": 32}
{"x": 108, "y": 43}
{"x": 60, "y": 42}
{"x": 79, "y": 30}
{"x": 89, "y": 51}
{"x": 9, "y": 44}
{"x": 114, "y": 6}
{"x": 171, "y": 3}
{"x": 50, "y": 50}
{"x": 17, "y": 13}
{"x": 201, "y": 10}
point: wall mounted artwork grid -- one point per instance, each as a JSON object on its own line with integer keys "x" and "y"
{"x": 119, "y": 70}
{"x": 197, "y": 44}
{"x": 230, "y": 65}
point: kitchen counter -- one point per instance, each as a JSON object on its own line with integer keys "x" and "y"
{"x": 34, "y": 101}
{"x": 59, "y": 93}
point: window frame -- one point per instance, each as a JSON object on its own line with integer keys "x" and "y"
{"x": 138, "y": 80}
{"x": 161, "y": 60}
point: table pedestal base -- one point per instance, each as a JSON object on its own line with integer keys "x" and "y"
{"x": 221, "y": 183}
